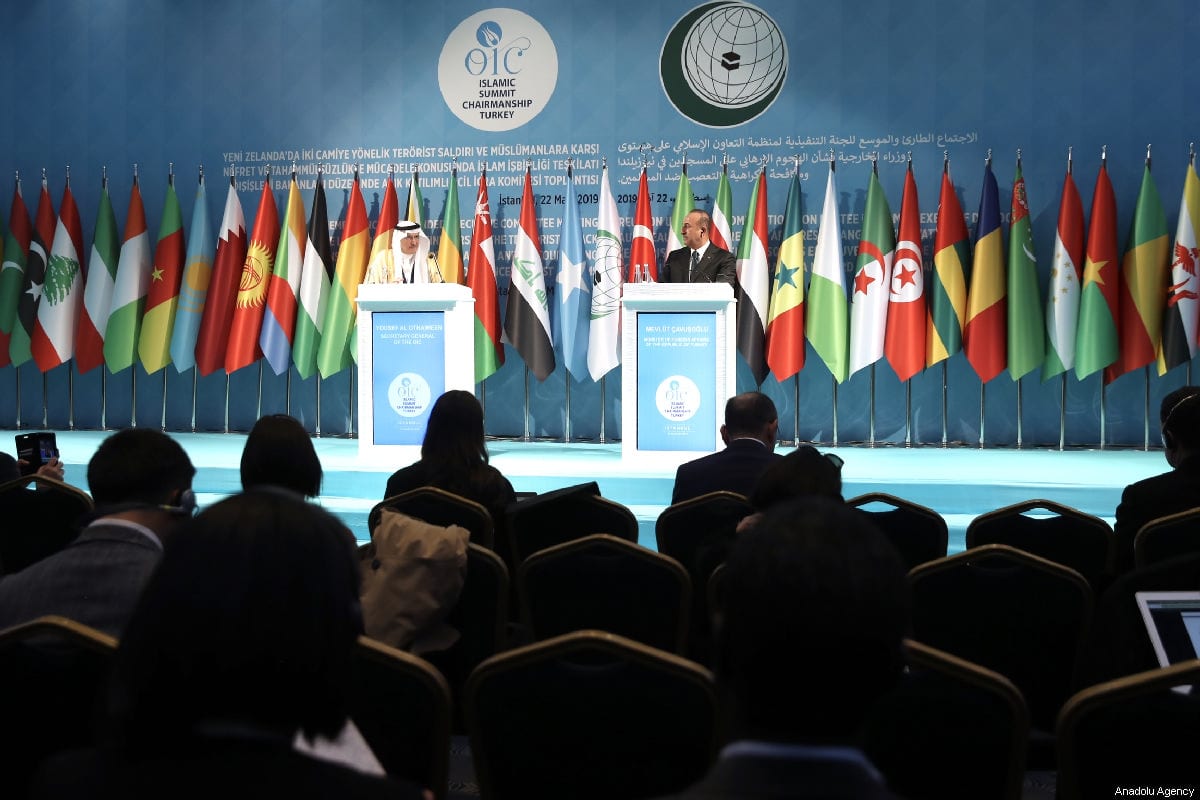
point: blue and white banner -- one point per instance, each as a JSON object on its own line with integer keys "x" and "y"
{"x": 677, "y": 381}
{"x": 408, "y": 353}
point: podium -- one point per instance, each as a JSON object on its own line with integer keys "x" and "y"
{"x": 678, "y": 349}
{"x": 415, "y": 341}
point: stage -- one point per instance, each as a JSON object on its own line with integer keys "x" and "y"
{"x": 959, "y": 483}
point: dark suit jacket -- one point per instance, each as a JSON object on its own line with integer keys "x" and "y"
{"x": 96, "y": 580}
{"x": 734, "y": 469}
{"x": 758, "y": 778}
{"x": 1169, "y": 493}
{"x": 485, "y": 485}
{"x": 717, "y": 266}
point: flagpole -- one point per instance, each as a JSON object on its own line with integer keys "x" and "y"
{"x": 103, "y": 399}
{"x": 1103, "y": 410}
{"x": 45, "y": 401}
{"x": 835, "y": 417}
{"x": 1020, "y": 410}
{"x": 258, "y": 399}
{"x": 70, "y": 399}
{"x": 871, "y": 420}
{"x": 133, "y": 395}
{"x": 288, "y": 392}
{"x": 352, "y": 433}
{"x": 945, "y": 387}
{"x": 796, "y": 410}
{"x": 982, "y": 410}
{"x": 567, "y": 424}
{"x": 603, "y": 410}
{"x": 1146, "y": 412}
{"x": 1062, "y": 413}
{"x": 317, "y": 427}
{"x": 227, "y": 402}
{"x": 908, "y": 413}
{"x": 194, "y": 382}
{"x": 526, "y": 403}
{"x": 18, "y": 374}
{"x": 164, "y": 400}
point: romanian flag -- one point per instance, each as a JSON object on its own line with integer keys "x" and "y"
{"x": 948, "y": 280}
{"x": 213, "y": 337}
{"x": 904, "y": 343}
{"x": 279, "y": 316}
{"x": 1096, "y": 334}
{"x": 643, "y": 261}
{"x": 333, "y": 353}
{"x": 481, "y": 278}
{"x": 984, "y": 335}
{"x": 785, "y": 321}
{"x": 162, "y": 298}
{"x": 449, "y": 253}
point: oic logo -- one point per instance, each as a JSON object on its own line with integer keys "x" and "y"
{"x": 723, "y": 64}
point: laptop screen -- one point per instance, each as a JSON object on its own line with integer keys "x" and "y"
{"x": 1173, "y": 623}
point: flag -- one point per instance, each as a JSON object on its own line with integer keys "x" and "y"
{"x": 1062, "y": 296}
{"x": 604, "y": 333}
{"x": 162, "y": 298}
{"x": 243, "y": 349}
{"x": 1179, "y": 329}
{"x": 872, "y": 279}
{"x": 213, "y": 336}
{"x": 1096, "y": 333}
{"x": 193, "y": 288}
{"x": 449, "y": 254}
{"x": 416, "y": 205}
{"x": 754, "y": 283}
{"x": 385, "y": 225}
{"x": 683, "y": 205}
{"x": 827, "y": 322}
{"x": 947, "y": 300}
{"x": 53, "y": 340}
{"x": 722, "y": 211}
{"x": 333, "y": 353}
{"x": 527, "y": 317}
{"x": 904, "y": 340}
{"x": 785, "y": 322}
{"x": 33, "y": 280}
{"x": 642, "y": 259}
{"x": 481, "y": 278}
{"x": 129, "y": 289}
{"x": 12, "y": 273}
{"x": 984, "y": 335}
{"x": 279, "y": 315}
{"x": 574, "y": 289}
{"x": 1026, "y": 334}
{"x": 98, "y": 286}
{"x": 315, "y": 280}
{"x": 1143, "y": 284}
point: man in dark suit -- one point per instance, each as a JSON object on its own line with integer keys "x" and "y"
{"x": 699, "y": 261}
{"x": 141, "y": 482}
{"x": 1170, "y": 492}
{"x": 751, "y": 423}
{"x": 813, "y": 612}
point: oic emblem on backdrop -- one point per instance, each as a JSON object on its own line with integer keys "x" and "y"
{"x": 498, "y": 69}
{"x": 723, "y": 64}
{"x": 409, "y": 394}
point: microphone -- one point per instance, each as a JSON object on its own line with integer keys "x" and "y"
{"x": 441, "y": 278}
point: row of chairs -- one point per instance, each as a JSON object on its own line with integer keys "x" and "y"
{"x": 590, "y": 714}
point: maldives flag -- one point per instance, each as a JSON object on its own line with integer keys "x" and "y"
{"x": 1179, "y": 330}
{"x": 97, "y": 292}
{"x": 984, "y": 335}
{"x": 904, "y": 343}
{"x": 643, "y": 262}
{"x": 527, "y": 317}
{"x": 243, "y": 349}
{"x": 1096, "y": 334}
{"x": 12, "y": 273}
{"x": 34, "y": 279}
{"x": 333, "y": 353}
{"x": 1026, "y": 336}
{"x": 162, "y": 298}
{"x": 279, "y": 316}
{"x": 828, "y": 317}
{"x": 315, "y": 280}
{"x": 1062, "y": 296}
{"x": 872, "y": 279}
{"x": 948, "y": 280}
{"x": 449, "y": 252}
{"x": 722, "y": 211}
{"x": 785, "y": 322}
{"x": 53, "y": 340}
{"x": 481, "y": 278}
{"x": 213, "y": 337}
{"x": 1143, "y": 289}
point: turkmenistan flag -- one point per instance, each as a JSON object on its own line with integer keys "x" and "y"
{"x": 97, "y": 293}
{"x": 333, "y": 353}
{"x": 984, "y": 337}
{"x": 683, "y": 205}
{"x": 129, "y": 291}
{"x": 279, "y": 316}
{"x": 1143, "y": 289}
{"x": 604, "y": 334}
{"x": 162, "y": 298}
{"x": 315, "y": 281}
{"x": 722, "y": 211}
{"x": 12, "y": 274}
{"x": 1062, "y": 296}
{"x": 872, "y": 279}
{"x": 1096, "y": 333}
{"x": 449, "y": 253}
{"x": 828, "y": 320}
{"x": 1179, "y": 330}
{"x": 527, "y": 316}
{"x": 481, "y": 278}
{"x": 53, "y": 340}
{"x": 416, "y": 204}
{"x": 193, "y": 289}
{"x": 947, "y": 295}
{"x": 785, "y": 320}
{"x": 34, "y": 279}
{"x": 1026, "y": 333}
{"x": 904, "y": 342}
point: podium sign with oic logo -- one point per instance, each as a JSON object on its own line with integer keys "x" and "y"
{"x": 415, "y": 341}
{"x": 678, "y": 353}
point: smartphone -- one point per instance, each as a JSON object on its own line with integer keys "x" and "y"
{"x": 35, "y": 449}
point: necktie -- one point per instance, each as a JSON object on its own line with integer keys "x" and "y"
{"x": 695, "y": 263}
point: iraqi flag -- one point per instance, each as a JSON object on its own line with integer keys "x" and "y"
{"x": 527, "y": 318}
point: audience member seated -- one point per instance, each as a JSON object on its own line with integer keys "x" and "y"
{"x": 1170, "y": 492}
{"x": 11, "y": 469}
{"x": 244, "y": 639}
{"x": 804, "y": 472}
{"x": 279, "y": 452}
{"x": 141, "y": 483}
{"x": 749, "y": 434}
{"x": 454, "y": 457}
{"x": 808, "y": 636}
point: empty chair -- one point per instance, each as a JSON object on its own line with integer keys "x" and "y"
{"x": 1167, "y": 537}
{"x": 401, "y": 705}
{"x": 950, "y": 729}
{"x": 557, "y": 517}
{"x": 918, "y": 533}
{"x": 1131, "y": 732}
{"x": 36, "y": 522}
{"x": 609, "y": 584}
{"x": 589, "y": 715}
{"x": 1012, "y": 612}
{"x": 440, "y": 507}
{"x": 1062, "y": 534}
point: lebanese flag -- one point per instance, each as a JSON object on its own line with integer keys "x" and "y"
{"x": 53, "y": 341}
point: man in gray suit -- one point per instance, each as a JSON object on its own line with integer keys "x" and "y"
{"x": 141, "y": 482}
{"x": 699, "y": 261}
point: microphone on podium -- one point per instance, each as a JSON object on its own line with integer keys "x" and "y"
{"x": 434, "y": 262}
